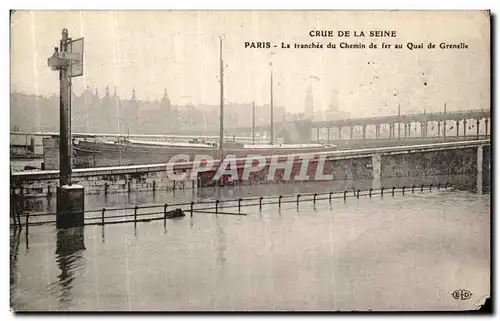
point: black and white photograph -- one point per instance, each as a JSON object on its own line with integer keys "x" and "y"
{"x": 250, "y": 160}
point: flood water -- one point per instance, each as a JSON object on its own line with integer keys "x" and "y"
{"x": 392, "y": 253}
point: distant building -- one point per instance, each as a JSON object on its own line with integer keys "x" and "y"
{"x": 333, "y": 112}
{"x": 111, "y": 114}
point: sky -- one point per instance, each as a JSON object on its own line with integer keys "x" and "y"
{"x": 179, "y": 51}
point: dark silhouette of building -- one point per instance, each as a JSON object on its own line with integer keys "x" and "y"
{"x": 112, "y": 114}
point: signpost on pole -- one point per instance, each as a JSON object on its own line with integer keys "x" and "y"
{"x": 76, "y": 52}
{"x": 68, "y": 60}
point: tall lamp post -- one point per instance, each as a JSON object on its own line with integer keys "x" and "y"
{"x": 221, "y": 129}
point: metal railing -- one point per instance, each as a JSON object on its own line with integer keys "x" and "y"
{"x": 242, "y": 128}
{"x": 405, "y": 118}
{"x": 417, "y": 114}
{"x": 376, "y": 118}
{"x": 155, "y": 212}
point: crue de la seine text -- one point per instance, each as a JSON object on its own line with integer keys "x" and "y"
{"x": 347, "y": 33}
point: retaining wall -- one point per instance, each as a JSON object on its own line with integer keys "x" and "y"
{"x": 99, "y": 181}
{"x": 409, "y": 167}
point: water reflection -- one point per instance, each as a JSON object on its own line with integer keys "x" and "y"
{"x": 323, "y": 256}
{"x": 221, "y": 242}
{"x": 70, "y": 245}
{"x": 15, "y": 240}
{"x": 27, "y": 237}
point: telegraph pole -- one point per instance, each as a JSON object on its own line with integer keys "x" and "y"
{"x": 221, "y": 138}
{"x": 444, "y": 123}
{"x": 399, "y": 121}
{"x": 272, "y": 111}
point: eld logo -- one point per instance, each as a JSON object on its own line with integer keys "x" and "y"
{"x": 462, "y": 294}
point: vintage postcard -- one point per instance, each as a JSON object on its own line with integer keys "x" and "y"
{"x": 250, "y": 161}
